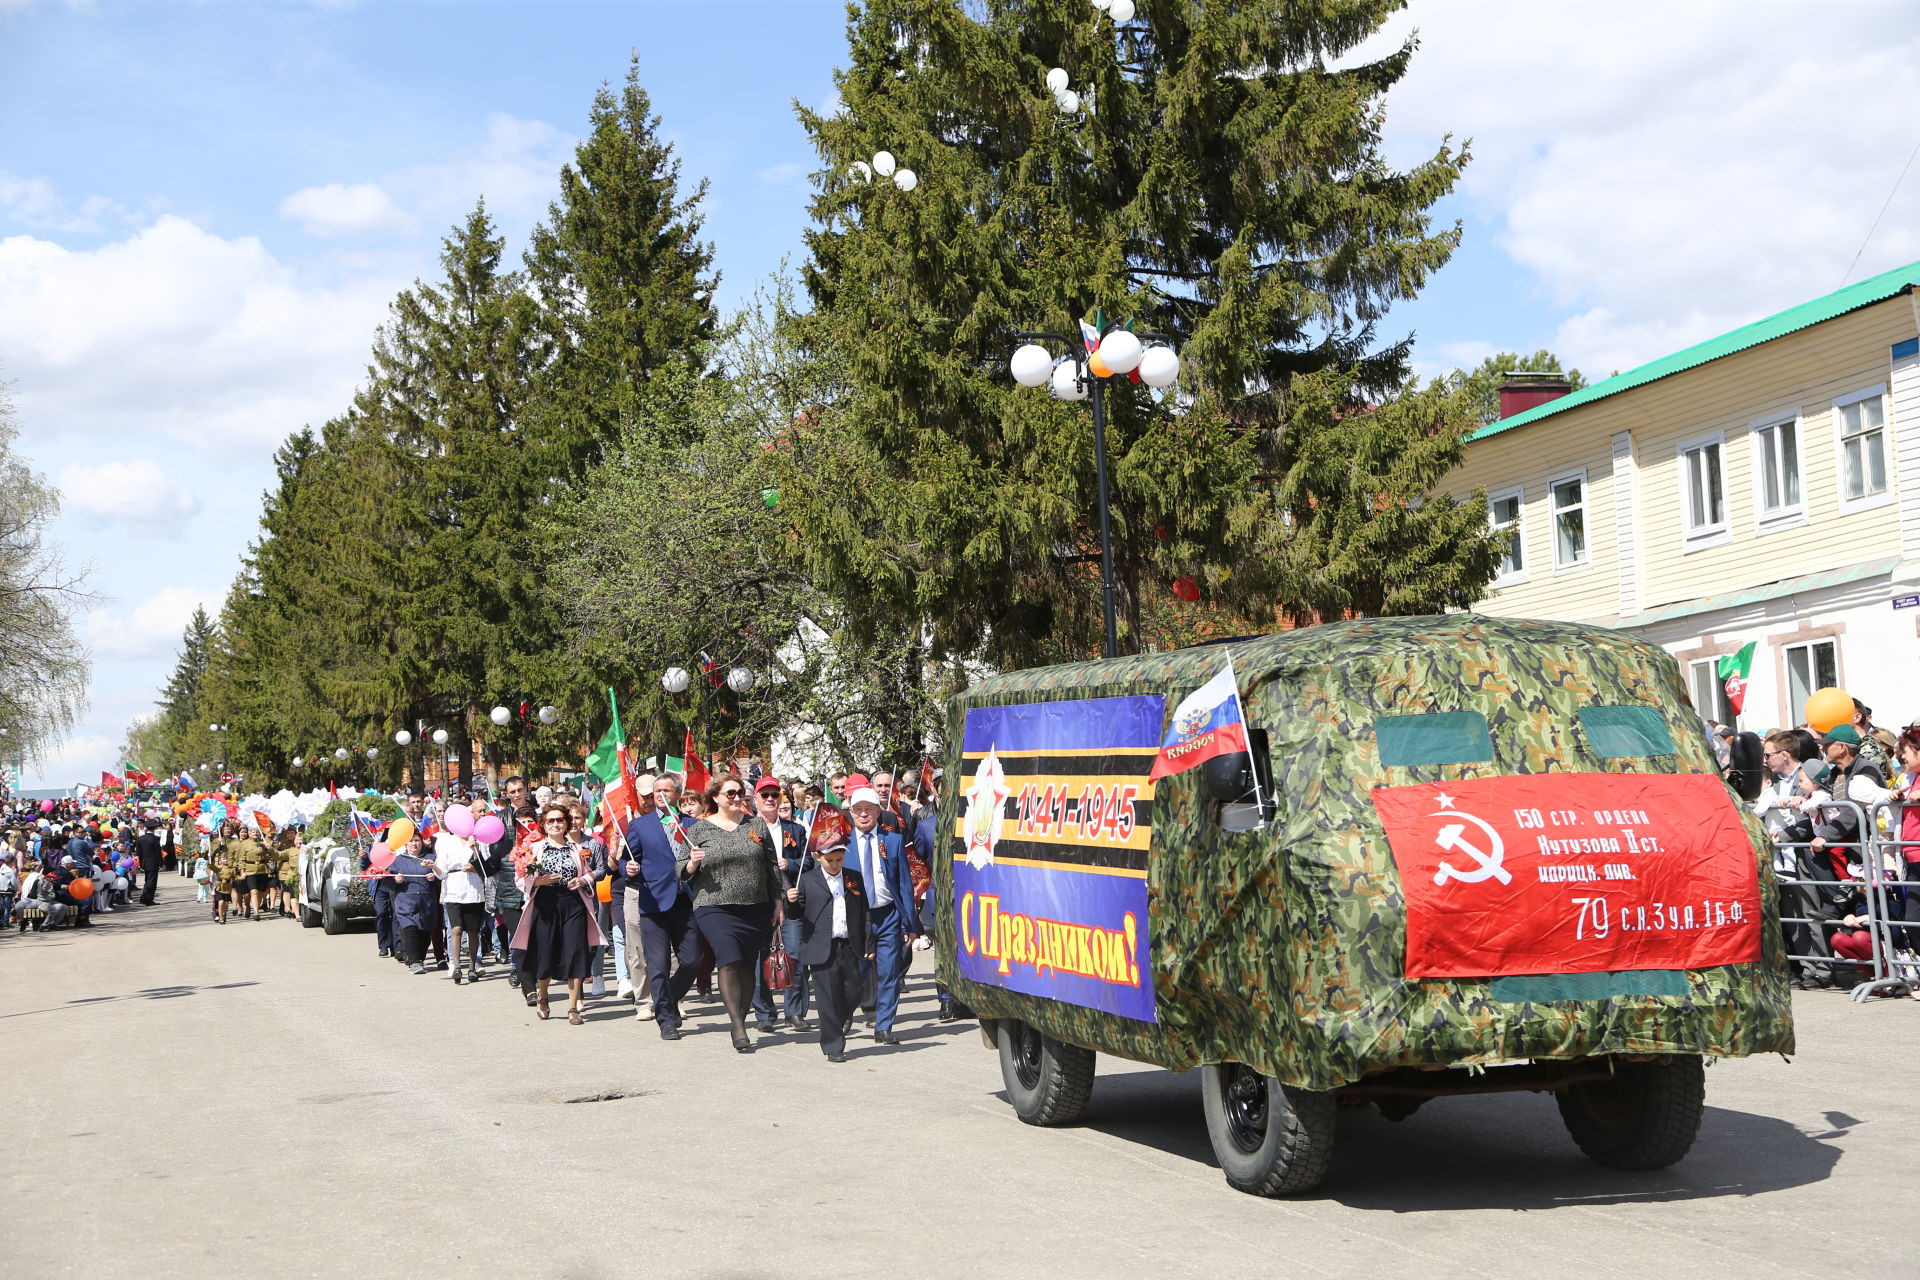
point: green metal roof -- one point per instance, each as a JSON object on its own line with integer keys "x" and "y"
{"x": 1855, "y": 296}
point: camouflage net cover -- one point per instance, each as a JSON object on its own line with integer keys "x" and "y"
{"x": 1283, "y": 948}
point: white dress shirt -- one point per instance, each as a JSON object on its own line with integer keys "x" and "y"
{"x": 837, "y": 883}
{"x": 869, "y": 845}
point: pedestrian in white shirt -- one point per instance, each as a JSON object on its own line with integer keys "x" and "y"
{"x": 456, "y": 860}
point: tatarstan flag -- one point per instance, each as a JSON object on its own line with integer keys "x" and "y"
{"x": 1733, "y": 669}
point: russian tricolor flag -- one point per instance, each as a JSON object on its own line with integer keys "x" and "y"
{"x": 1209, "y": 722}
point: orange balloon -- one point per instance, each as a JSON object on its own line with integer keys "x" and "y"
{"x": 1099, "y": 366}
{"x": 1829, "y": 708}
{"x": 81, "y": 889}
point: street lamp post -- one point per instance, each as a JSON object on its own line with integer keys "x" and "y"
{"x": 1082, "y": 376}
{"x": 446, "y": 778}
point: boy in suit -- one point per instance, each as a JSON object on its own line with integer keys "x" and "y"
{"x": 834, "y": 941}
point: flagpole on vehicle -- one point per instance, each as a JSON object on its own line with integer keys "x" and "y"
{"x": 1259, "y": 802}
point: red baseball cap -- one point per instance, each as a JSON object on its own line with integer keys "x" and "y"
{"x": 769, "y": 781}
{"x": 855, "y": 781}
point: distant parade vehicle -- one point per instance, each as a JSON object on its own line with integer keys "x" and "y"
{"x": 1370, "y": 862}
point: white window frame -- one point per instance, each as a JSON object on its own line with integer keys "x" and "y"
{"x": 1553, "y": 521}
{"x": 1707, "y": 535}
{"x": 1850, "y": 505}
{"x": 1772, "y": 520}
{"x": 1519, "y": 494}
{"x": 1813, "y": 670}
{"x": 1716, "y": 684}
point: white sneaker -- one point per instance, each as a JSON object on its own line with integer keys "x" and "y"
{"x": 625, "y": 991}
{"x": 644, "y": 1011}
{"x": 599, "y": 987}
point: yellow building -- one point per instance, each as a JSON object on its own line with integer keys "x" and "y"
{"x": 1761, "y": 486}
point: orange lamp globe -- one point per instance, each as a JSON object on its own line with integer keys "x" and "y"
{"x": 1828, "y": 709}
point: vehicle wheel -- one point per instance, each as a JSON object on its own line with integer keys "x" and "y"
{"x": 1271, "y": 1139}
{"x": 309, "y": 918}
{"x": 1644, "y": 1117}
{"x": 1047, "y": 1080}
{"x": 331, "y": 920}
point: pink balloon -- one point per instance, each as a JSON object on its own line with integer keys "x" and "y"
{"x": 459, "y": 819}
{"x": 380, "y": 857}
{"x": 488, "y": 829}
{"x": 46, "y": 806}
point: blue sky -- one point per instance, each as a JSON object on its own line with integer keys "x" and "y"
{"x": 205, "y": 207}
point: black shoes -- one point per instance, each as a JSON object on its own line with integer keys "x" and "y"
{"x": 742, "y": 1044}
{"x": 669, "y": 1032}
{"x": 459, "y": 977}
{"x": 703, "y": 994}
{"x": 799, "y": 1024}
{"x": 836, "y": 1057}
{"x": 885, "y": 1037}
{"x": 765, "y": 1027}
{"x": 946, "y": 1009}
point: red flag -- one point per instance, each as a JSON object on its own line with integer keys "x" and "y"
{"x": 927, "y": 789}
{"x": 697, "y": 775}
{"x": 616, "y": 806}
{"x": 109, "y": 782}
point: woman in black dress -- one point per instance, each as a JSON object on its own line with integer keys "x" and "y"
{"x": 557, "y": 927}
{"x": 734, "y": 880}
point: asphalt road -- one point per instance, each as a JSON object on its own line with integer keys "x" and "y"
{"x": 262, "y": 1100}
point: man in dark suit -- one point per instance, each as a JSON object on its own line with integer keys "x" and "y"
{"x": 659, "y": 909}
{"x": 880, "y": 857}
{"x": 788, "y": 840}
{"x": 148, "y": 850}
{"x": 834, "y": 942}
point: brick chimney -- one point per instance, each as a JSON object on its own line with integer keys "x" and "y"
{"x": 1520, "y": 392}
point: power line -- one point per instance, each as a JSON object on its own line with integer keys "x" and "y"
{"x": 1883, "y": 213}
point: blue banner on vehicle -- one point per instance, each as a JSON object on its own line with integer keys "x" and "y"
{"x": 1050, "y": 877}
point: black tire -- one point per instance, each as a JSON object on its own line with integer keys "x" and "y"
{"x": 331, "y": 920}
{"x": 1048, "y": 1081}
{"x": 309, "y": 918}
{"x": 1645, "y": 1117}
{"x": 1271, "y": 1139}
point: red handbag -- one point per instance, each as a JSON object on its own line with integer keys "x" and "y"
{"x": 777, "y": 968}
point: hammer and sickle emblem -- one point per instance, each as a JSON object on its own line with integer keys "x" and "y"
{"x": 1452, "y": 838}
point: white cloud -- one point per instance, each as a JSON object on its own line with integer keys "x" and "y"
{"x": 78, "y": 759}
{"x": 137, "y": 493}
{"x": 780, "y": 175}
{"x": 516, "y": 167}
{"x": 205, "y": 339}
{"x": 340, "y": 210}
{"x": 1661, "y": 185}
{"x": 33, "y": 202}
{"x": 152, "y": 628}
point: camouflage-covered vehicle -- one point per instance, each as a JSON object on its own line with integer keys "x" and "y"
{"x": 1433, "y": 855}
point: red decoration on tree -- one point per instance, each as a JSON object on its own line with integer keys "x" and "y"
{"x": 1186, "y": 588}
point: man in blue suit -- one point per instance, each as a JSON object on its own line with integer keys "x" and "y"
{"x": 881, "y": 858}
{"x": 660, "y": 909}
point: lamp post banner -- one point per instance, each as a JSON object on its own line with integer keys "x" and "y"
{"x": 1572, "y": 873}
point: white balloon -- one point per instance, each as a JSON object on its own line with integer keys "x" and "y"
{"x": 1122, "y": 10}
{"x": 1159, "y": 366}
{"x": 1031, "y": 365}
{"x": 860, "y": 171}
{"x": 500, "y": 715}
{"x": 1057, "y": 79}
{"x": 1066, "y": 382}
{"x": 1067, "y": 100}
{"x": 1120, "y": 351}
{"x": 883, "y": 163}
{"x": 906, "y": 179}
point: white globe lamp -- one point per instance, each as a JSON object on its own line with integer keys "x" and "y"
{"x": 1120, "y": 351}
{"x": 500, "y": 716}
{"x": 440, "y": 737}
{"x": 675, "y": 680}
{"x": 1066, "y": 382}
{"x": 1031, "y": 365}
{"x": 403, "y": 737}
{"x": 1057, "y": 79}
{"x": 1159, "y": 366}
{"x": 906, "y": 179}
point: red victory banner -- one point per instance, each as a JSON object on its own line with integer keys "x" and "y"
{"x": 1572, "y": 873}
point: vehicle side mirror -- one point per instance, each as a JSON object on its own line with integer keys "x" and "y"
{"x": 1746, "y": 766}
{"x": 1228, "y": 778}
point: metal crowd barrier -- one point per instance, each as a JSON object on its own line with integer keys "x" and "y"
{"x": 1878, "y": 896}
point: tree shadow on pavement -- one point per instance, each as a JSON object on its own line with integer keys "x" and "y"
{"x": 1505, "y": 1151}
{"x": 146, "y": 993}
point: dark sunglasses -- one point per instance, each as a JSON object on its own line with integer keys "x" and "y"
{"x": 732, "y": 793}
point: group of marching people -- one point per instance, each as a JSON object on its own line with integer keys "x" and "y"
{"x": 746, "y": 885}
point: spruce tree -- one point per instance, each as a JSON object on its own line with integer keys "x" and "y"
{"x": 623, "y": 281}
{"x": 1220, "y": 181}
